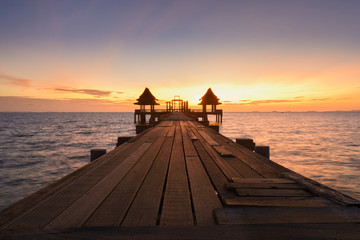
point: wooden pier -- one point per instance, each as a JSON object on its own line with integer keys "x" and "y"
{"x": 182, "y": 180}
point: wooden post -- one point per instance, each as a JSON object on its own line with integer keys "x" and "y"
{"x": 142, "y": 127}
{"x": 96, "y": 153}
{"x": 121, "y": 140}
{"x": 215, "y": 127}
{"x": 263, "y": 150}
{"x": 246, "y": 142}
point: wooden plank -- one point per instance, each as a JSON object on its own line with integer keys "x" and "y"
{"x": 207, "y": 138}
{"x": 59, "y": 201}
{"x": 165, "y": 124}
{"x": 29, "y": 204}
{"x": 323, "y": 190}
{"x": 263, "y": 180}
{"x": 255, "y": 192}
{"x": 191, "y": 135}
{"x": 250, "y": 159}
{"x": 264, "y": 185}
{"x": 76, "y": 214}
{"x": 243, "y": 169}
{"x": 217, "y": 177}
{"x": 176, "y": 209}
{"x": 144, "y": 210}
{"x": 278, "y": 215}
{"x": 280, "y": 201}
{"x": 222, "y": 151}
{"x": 56, "y": 203}
{"x": 155, "y": 132}
{"x": 189, "y": 148}
{"x": 113, "y": 209}
{"x": 203, "y": 194}
{"x": 228, "y": 171}
{"x": 171, "y": 132}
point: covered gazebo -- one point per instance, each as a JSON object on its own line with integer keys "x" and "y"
{"x": 210, "y": 98}
{"x": 146, "y": 98}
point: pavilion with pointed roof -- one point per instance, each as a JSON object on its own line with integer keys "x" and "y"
{"x": 146, "y": 98}
{"x": 210, "y": 98}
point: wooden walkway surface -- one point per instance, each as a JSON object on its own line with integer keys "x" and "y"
{"x": 182, "y": 177}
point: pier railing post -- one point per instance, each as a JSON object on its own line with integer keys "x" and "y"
{"x": 121, "y": 140}
{"x": 246, "y": 142}
{"x": 96, "y": 153}
{"x": 263, "y": 150}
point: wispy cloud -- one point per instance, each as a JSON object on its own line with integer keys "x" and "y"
{"x": 25, "y": 104}
{"x": 22, "y": 82}
{"x": 274, "y": 101}
{"x": 320, "y": 99}
{"x": 92, "y": 92}
{"x": 267, "y": 101}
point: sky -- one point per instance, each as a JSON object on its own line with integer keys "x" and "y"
{"x": 256, "y": 55}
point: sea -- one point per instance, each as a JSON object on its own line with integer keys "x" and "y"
{"x": 38, "y": 148}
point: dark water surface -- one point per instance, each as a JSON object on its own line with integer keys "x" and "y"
{"x": 38, "y": 148}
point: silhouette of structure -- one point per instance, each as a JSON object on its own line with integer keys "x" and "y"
{"x": 175, "y": 105}
{"x": 211, "y": 99}
{"x": 146, "y": 98}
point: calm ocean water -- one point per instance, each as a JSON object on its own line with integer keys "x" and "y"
{"x": 38, "y": 148}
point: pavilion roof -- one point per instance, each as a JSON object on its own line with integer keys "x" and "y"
{"x": 209, "y": 98}
{"x": 146, "y": 98}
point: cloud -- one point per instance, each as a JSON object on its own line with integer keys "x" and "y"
{"x": 320, "y": 99}
{"x": 30, "y": 104}
{"x": 22, "y": 82}
{"x": 274, "y": 101}
{"x": 243, "y": 102}
{"x": 92, "y": 92}
{"x": 269, "y": 101}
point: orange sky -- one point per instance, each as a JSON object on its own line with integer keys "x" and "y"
{"x": 255, "y": 55}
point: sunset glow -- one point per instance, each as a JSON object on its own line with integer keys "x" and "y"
{"x": 255, "y": 55}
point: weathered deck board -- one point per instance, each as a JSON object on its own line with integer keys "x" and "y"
{"x": 42, "y": 215}
{"x": 252, "y": 192}
{"x": 243, "y": 169}
{"x": 280, "y": 215}
{"x": 106, "y": 162}
{"x": 189, "y": 148}
{"x": 110, "y": 213}
{"x": 203, "y": 193}
{"x": 177, "y": 209}
{"x": 280, "y": 201}
{"x": 264, "y": 180}
{"x": 251, "y": 163}
{"x": 77, "y": 213}
{"x": 264, "y": 185}
{"x": 217, "y": 177}
{"x": 145, "y": 208}
{"x": 228, "y": 171}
